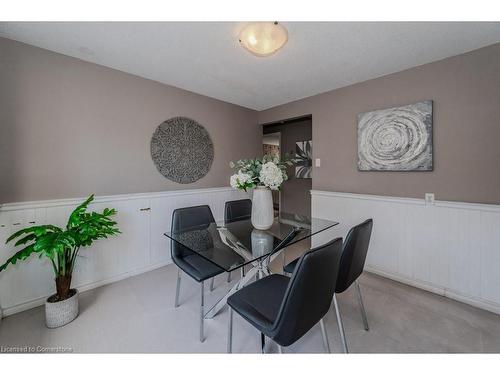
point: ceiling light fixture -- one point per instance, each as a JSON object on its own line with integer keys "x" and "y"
{"x": 263, "y": 38}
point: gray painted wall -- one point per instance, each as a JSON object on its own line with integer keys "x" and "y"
{"x": 70, "y": 128}
{"x": 466, "y": 94}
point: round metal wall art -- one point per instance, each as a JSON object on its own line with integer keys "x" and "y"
{"x": 182, "y": 150}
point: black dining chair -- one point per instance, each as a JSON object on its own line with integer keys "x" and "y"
{"x": 240, "y": 209}
{"x": 352, "y": 263}
{"x": 284, "y": 308}
{"x": 237, "y": 210}
{"x": 194, "y": 265}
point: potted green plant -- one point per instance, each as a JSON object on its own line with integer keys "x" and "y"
{"x": 61, "y": 247}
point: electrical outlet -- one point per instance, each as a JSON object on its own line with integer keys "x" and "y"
{"x": 429, "y": 198}
{"x": 318, "y": 162}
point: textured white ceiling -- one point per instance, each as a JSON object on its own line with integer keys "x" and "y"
{"x": 205, "y": 57}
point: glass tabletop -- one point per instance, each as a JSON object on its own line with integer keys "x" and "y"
{"x": 232, "y": 245}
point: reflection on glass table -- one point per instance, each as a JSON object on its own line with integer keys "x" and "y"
{"x": 233, "y": 245}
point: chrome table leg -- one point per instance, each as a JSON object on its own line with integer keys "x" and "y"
{"x": 259, "y": 271}
{"x": 230, "y": 332}
{"x": 362, "y": 306}
{"x": 202, "y": 315}
{"x": 325, "y": 336}
{"x": 178, "y": 287}
{"x": 339, "y": 322}
{"x": 222, "y": 302}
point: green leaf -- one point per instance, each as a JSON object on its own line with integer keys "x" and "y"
{"x": 24, "y": 240}
{"x": 20, "y": 255}
{"x": 79, "y": 211}
{"x": 61, "y": 246}
{"x": 37, "y": 230}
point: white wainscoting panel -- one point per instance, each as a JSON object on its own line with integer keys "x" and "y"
{"x": 142, "y": 218}
{"x": 448, "y": 248}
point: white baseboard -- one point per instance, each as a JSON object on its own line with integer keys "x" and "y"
{"x": 481, "y": 304}
{"x": 448, "y": 248}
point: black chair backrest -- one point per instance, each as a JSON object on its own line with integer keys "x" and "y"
{"x": 353, "y": 257}
{"x": 184, "y": 219}
{"x": 237, "y": 210}
{"x": 309, "y": 293}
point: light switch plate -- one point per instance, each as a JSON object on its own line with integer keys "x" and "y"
{"x": 429, "y": 198}
{"x": 318, "y": 162}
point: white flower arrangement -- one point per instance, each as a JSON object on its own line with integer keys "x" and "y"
{"x": 240, "y": 179}
{"x": 268, "y": 171}
{"x": 271, "y": 176}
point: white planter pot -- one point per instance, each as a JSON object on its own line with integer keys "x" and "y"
{"x": 262, "y": 208}
{"x": 58, "y": 314}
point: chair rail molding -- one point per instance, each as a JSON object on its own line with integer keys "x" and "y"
{"x": 448, "y": 248}
{"x": 142, "y": 247}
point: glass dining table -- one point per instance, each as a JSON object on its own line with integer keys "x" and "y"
{"x": 234, "y": 245}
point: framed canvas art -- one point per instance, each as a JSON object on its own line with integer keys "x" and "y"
{"x": 396, "y": 139}
{"x": 303, "y": 159}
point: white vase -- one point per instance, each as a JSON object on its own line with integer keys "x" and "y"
{"x": 262, "y": 242}
{"x": 262, "y": 208}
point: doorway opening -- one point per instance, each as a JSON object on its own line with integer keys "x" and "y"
{"x": 271, "y": 145}
{"x": 293, "y": 139}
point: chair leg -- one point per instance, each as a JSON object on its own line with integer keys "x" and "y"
{"x": 212, "y": 284}
{"x": 178, "y": 287}
{"x": 262, "y": 343}
{"x": 202, "y": 315}
{"x": 339, "y": 322}
{"x": 280, "y": 349}
{"x": 230, "y": 332}
{"x": 325, "y": 336}
{"x": 229, "y": 277}
{"x": 362, "y": 307}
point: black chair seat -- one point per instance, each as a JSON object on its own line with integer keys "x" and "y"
{"x": 290, "y": 267}
{"x": 284, "y": 309}
{"x": 352, "y": 262}
{"x": 198, "y": 267}
{"x": 259, "y": 302}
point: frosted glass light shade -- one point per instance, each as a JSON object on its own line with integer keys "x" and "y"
{"x": 263, "y": 38}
